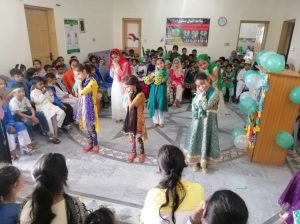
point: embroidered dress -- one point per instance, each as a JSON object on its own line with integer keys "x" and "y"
{"x": 202, "y": 141}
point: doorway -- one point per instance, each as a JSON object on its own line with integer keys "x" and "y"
{"x": 41, "y": 32}
{"x": 286, "y": 37}
{"x": 252, "y": 38}
{"x": 132, "y": 32}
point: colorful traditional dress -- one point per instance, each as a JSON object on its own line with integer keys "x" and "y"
{"x": 135, "y": 122}
{"x": 118, "y": 71}
{"x": 157, "y": 103}
{"x": 202, "y": 142}
{"x": 177, "y": 81}
{"x": 88, "y": 110}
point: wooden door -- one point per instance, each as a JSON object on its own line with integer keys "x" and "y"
{"x": 286, "y": 37}
{"x": 132, "y": 34}
{"x": 41, "y": 32}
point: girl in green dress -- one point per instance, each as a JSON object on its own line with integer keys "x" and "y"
{"x": 202, "y": 142}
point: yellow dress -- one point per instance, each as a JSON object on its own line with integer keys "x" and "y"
{"x": 91, "y": 88}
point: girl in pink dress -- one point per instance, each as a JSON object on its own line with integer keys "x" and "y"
{"x": 177, "y": 80}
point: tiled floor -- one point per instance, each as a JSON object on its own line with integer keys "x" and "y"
{"x": 106, "y": 179}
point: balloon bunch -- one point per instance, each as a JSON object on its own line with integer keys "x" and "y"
{"x": 271, "y": 61}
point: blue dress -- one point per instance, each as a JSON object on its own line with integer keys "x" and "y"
{"x": 9, "y": 213}
{"x": 8, "y": 121}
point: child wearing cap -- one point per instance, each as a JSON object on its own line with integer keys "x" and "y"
{"x": 240, "y": 79}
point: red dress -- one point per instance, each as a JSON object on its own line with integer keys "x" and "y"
{"x": 68, "y": 80}
{"x": 176, "y": 80}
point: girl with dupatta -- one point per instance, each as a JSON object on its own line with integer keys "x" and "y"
{"x": 134, "y": 125}
{"x": 87, "y": 114}
{"x": 119, "y": 68}
{"x": 213, "y": 73}
{"x": 177, "y": 80}
{"x": 202, "y": 141}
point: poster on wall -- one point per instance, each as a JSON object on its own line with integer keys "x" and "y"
{"x": 187, "y": 31}
{"x": 72, "y": 39}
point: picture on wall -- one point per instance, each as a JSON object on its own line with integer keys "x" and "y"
{"x": 72, "y": 38}
{"x": 187, "y": 31}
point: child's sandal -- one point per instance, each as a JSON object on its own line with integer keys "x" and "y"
{"x": 142, "y": 158}
{"x": 55, "y": 140}
{"x": 131, "y": 157}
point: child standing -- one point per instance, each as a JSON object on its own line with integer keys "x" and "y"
{"x": 87, "y": 114}
{"x": 157, "y": 103}
{"x": 135, "y": 122}
{"x": 228, "y": 77}
{"x": 202, "y": 142}
{"x": 43, "y": 103}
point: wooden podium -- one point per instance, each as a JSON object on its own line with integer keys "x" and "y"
{"x": 279, "y": 114}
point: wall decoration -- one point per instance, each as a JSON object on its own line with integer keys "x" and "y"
{"x": 187, "y": 31}
{"x": 82, "y": 25}
{"x": 72, "y": 35}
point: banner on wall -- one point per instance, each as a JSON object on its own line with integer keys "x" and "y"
{"x": 187, "y": 31}
{"x": 72, "y": 39}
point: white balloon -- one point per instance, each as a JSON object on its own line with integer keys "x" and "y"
{"x": 245, "y": 95}
{"x": 260, "y": 83}
{"x": 241, "y": 142}
{"x": 252, "y": 80}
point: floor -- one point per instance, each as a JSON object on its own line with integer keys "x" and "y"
{"x": 106, "y": 179}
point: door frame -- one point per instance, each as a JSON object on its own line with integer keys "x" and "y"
{"x": 284, "y": 38}
{"x": 267, "y": 24}
{"x": 124, "y": 39}
{"x": 52, "y": 29}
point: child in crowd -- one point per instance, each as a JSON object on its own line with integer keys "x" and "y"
{"x": 189, "y": 79}
{"x": 168, "y": 65}
{"x": 24, "y": 112}
{"x": 50, "y": 81}
{"x": 17, "y": 78}
{"x": 87, "y": 114}
{"x": 68, "y": 77}
{"x": 151, "y": 66}
{"x": 22, "y": 68}
{"x": 177, "y": 81}
{"x": 240, "y": 79}
{"x": 11, "y": 183}
{"x": 61, "y": 60}
{"x": 157, "y": 103}
{"x": 134, "y": 67}
{"x": 16, "y": 130}
{"x": 202, "y": 142}
{"x": 228, "y": 77}
{"x": 37, "y": 64}
{"x": 174, "y": 53}
{"x": 30, "y": 73}
{"x": 184, "y": 55}
{"x": 141, "y": 74}
{"x": 135, "y": 124}
{"x": 101, "y": 216}
{"x": 49, "y": 69}
{"x": 43, "y": 103}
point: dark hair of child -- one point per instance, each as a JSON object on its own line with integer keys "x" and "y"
{"x": 160, "y": 59}
{"x": 29, "y": 73}
{"x": 201, "y": 76}
{"x": 222, "y": 58}
{"x": 171, "y": 162}
{"x": 73, "y": 59}
{"x": 59, "y": 57}
{"x": 184, "y": 49}
{"x": 160, "y": 49}
{"x": 175, "y": 47}
{"x": 93, "y": 57}
{"x": 236, "y": 60}
{"x": 229, "y": 66}
{"x": 20, "y": 66}
{"x": 226, "y": 207}
{"x": 242, "y": 60}
{"x": 59, "y": 65}
{"x": 49, "y": 76}
{"x": 37, "y": 60}
{"x": 9, "y": 175}
{"x": 46, "y": 67}
{"x": 37, "y": 79}
{"x": 87, "y": 67}
{"x": 132, "y": 80}
{"x": 131, "y": 51}
{"x": 14, "y": 72}
{"x": 101, "y": 216}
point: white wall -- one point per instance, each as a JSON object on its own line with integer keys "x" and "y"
{"x": 14, "y": 42}
{"x": 155, "y": 12}
{"x": 293, "y": 12}
{"x": 248, "y": 30}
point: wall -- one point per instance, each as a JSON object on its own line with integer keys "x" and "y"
{"x": 155, "y": 12}
{"x": 14, "y": 42}
{"x": 292, "y": 12}
{"x": 248, "y": 30}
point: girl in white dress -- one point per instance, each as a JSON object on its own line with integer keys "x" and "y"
{"x": 119, "y": 68}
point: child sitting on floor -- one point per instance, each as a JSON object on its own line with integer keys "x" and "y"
{"x": 43, "y": 102}
{"x": 228, "y": 77}
{"x": 50, "y": 87}
{"x": 16, "y": 129}
{"x": 24, "y": 112}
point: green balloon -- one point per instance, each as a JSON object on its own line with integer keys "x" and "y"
{"x": 248, "y": 105}
{"x": 295, "y": 95}
{"x": 237, "y": 131}
{"x": 275, "y": 63}
{"x": 259, "y": 55}
{"x": 284, "y": 139}
{"x": 249, "y": 72}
